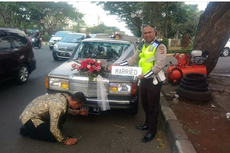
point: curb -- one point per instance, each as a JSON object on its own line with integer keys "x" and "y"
{"x": 175, "y": 135}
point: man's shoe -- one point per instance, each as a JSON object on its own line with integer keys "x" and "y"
{"x": 142, "y": 127}
{"x": 23, "y": 131}
{"x": 148, "y": 137}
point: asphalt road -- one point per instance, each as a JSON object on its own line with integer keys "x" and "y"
{"x": 110, "y": 132}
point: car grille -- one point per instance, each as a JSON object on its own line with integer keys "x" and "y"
{"x": 65, "y": 49}
{"x": 82, "y": 84}
{"x": 63, "y": 54}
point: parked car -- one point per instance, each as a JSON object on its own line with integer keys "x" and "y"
{"x": 64, "y": 48}
{"x": 226, "y": 50}
{"x": 16, "y": 55}
{"x": 122, "y": 91}
{"x": 55, "y": 38}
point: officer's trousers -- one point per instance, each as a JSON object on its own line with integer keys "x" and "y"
{"x": 150, "y": 98}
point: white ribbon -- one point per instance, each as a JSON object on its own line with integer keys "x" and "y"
{"x": 128, "y": 52}
{"x": 102, "y": 97}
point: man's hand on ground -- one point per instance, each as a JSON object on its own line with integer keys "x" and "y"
{"x": 70, "y": 141}
{"x": 84, "y": 112}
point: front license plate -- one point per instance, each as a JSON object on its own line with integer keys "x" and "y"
{"x": 92, "y": 110}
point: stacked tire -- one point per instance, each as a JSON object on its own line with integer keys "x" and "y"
{"x": 194, "y": 86}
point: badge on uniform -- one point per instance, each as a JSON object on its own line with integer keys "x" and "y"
{"x": 161, "y": 48}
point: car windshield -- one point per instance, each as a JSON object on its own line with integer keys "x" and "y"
{"x": 101, "y": 50}
{"x": 72, "y": 38}
{"x": 60, "y": 33}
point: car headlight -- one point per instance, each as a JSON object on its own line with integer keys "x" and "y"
{"x": 56, "y": 46}
{"x": 57, "y": 84}
{"x": 120, "y": 88}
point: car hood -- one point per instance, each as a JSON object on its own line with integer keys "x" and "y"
{"x": 66, "y": 45}
{"x": 55, "y": 38}
{"x": 65, "y": 71}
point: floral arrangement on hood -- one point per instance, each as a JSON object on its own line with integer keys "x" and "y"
{"x": 91, "y": 68}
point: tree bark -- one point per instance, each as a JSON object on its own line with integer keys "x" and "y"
{"x": 213, "y": 32}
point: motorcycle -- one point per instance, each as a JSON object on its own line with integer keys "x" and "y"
{"x": 36, "y": 42}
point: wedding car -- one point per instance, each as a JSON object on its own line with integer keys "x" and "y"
{"x": 89, "y": 71}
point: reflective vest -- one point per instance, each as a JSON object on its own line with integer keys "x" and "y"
{"x": 147, "y": 56}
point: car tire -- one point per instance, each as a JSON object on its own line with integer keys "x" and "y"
{"x": 22, "y": 74}
{"x": 196, "y": 84}
{"x": 195, "y": 77}
{"x": 134, "y": 110}
{"x": 55, "y": 56}
{"x": 193, "y": 95}
{"x": 51, "y": 47}
{"x": 193, "y": 88}
{"x": 39, "y": 45}
{"x": 225, "y": 52}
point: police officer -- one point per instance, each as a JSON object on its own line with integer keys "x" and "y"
{"x": 152, "y": 59}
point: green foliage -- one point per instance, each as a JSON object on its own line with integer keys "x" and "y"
{"x": 167, "y": 17}
{"x": 102, "y": 29}
{"x": 179, "y": 51}
{"x": 22, "y": 15}
{"x": 45, "y": 38}
{"x": 166, "y": 42}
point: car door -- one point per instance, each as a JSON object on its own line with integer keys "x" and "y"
{"x": 6, "y": 64}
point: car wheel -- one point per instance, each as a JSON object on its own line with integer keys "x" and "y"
{"x": 225, "y": 52}
{"x": 55, "y": 56}
{"x": 134, "y": 110}
{"x": 51, "y": 47}
{"x": 23, "y": 74}
{"x": 39, "y": 45}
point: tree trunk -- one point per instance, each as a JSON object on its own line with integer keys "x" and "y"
{"x": 213, "y": 32}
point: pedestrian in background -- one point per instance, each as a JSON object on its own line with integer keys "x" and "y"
{"x": 44, "y": 117}
{"x": 151, "y": 58}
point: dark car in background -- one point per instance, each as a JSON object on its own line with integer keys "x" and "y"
{"x": 16, "y": 55}
{"x": 122, "y": 91}
{"x": 64, "y": 48}
{"x": 55, "y": 38}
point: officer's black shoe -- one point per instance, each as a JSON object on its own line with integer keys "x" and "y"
{"x": 148, "y": 137}
{"x": 24, "y": 131}
{"x": 142, "y": 127}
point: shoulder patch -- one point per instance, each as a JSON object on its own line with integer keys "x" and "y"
{"x": 161, "y": 49}
{"x": 155, "y": 44}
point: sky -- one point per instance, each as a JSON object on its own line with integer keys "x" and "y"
{"x": 92, "y": 12}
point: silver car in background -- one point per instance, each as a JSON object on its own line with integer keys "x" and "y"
{"x": 64, "y": 48}
{"x": 57, "y": 37}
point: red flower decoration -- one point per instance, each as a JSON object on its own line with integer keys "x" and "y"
{"x": 91, "y": 68}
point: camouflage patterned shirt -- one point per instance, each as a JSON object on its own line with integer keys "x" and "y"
{"x": 47, "y": 108}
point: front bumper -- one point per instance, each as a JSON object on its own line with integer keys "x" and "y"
{"x": 62, "y": 54}
{"x": 115, "y": 102}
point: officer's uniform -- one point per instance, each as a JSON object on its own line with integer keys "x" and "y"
{"x": 152, "y": 60}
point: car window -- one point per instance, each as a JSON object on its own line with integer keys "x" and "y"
{"x": 101, "y": 50}
{"x": 4, "y": 41}
{"x": 60, "y": 33}
{"x": 19, "y": 39}
{"x": 72, "y": 38}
